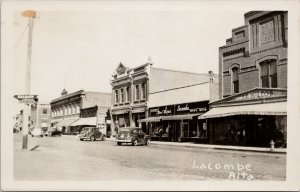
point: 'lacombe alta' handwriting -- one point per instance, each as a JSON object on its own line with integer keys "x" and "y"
{"x": 236, "y": 171}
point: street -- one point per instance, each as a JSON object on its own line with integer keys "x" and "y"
{"x": 67, "y": 158}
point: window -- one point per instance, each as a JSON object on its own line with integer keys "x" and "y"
{"x": 122, "y": 95}
{"x": 116, "y": 96}
{"x": 127, "y": 94}
{"x": 143, "y": 90}
{"x": 45, "y": 111}
{"x": 137, "y": 92}
{"x": 268, "y": 74}
{"x": 235, "y": 80}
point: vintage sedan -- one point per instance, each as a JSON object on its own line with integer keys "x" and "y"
{"x": 132, "y": 135}
{"x": 91, "y": 133}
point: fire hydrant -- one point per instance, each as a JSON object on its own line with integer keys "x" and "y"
{"x": 272, "y": 145}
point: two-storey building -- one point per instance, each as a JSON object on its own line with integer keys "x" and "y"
{"x": 130, "y": 95}
{"x": 162, "y": 100}
{"x": 72, "y": 111}
{"x": 253, "y": 83}
{"x": 40, "y": 116}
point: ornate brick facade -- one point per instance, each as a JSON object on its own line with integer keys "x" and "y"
{"x": 263, "y": 38}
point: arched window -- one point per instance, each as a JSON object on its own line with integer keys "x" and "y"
{"x": 268, "y": 73}
{"x": 116, "y": 97}
{"x": 235, "y": 80}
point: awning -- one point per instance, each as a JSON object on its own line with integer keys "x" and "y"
{"x": 66, "y": 122}
{"x": 85, "y": 121}
{"x": 119, "y": 112}
{"x": 150, "y": 119}
{"x": 138, "y": 110}
{"x": 255, "y": 109}
{"x": 180, "y": 117}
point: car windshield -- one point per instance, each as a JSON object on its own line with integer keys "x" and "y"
{"x": 86, "y": 129}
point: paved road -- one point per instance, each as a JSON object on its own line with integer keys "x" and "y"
{"x": 67, "y": 158}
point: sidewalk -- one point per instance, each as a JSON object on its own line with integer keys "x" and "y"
{"x": 219, "y": 147}
{"x": 208, "y": 146}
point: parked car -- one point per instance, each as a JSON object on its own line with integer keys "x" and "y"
{"x": 37, "y": 132}
{"x": 91, "y": 133}
{"x": 132, "y": 135}
{"x": 54, "y": 131}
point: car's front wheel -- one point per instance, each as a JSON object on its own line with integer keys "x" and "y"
{"x": 81, "y": 139}
{"x": 135, "y": 143}
{"x": 119, "y": 143}
{"x": 92, "y": 138}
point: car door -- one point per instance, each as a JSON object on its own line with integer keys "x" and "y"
{"x": 141, "y": 136}
{"x": 97, "y": 133}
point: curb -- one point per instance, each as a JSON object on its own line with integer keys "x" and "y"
{"x": 207, "y": 146}
{"x": 259, "y": 150}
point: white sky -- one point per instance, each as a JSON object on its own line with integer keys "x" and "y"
{"x": 84, "y": 47}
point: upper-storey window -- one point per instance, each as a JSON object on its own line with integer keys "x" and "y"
{"x": 122, "y": 95}
{"x": 137, "y": 92}
{"x": 143, "y": 91}
{"x": 235, "y": 80}
{"x": 116, "y": 96}
{"x": 127, "y": 94}
{"x": 268, "y": 73}
{"x": 45, "y": 111}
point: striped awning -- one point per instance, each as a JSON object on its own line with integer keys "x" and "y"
{"x": 255, "y": 109}
{"x": 66, "y": 122}
{"x": 85, "y": 121}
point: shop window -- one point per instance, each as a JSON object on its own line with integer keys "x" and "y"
{"x": 185, "y": 129}
{"x": 137, "y": 92}
{"x": 235, "y": 80}
{"x": 143, "y": 90}
{"x": 268, "y": 74}
{"x": 116, "y": 97}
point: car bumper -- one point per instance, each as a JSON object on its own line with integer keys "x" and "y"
{"x": 123, "y": 141}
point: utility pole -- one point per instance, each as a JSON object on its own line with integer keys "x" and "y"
{"x": 30, "y": 14}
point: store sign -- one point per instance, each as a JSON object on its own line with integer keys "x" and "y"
{"x": 256, "y": 95}
{"x": 190, "y": 109}
{"x": 164, "y": 111}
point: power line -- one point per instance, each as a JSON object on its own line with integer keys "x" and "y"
{"x": 21, "y": 36}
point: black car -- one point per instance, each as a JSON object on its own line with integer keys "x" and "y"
{"x": 91, "y": 133}
{"x": 54, "y": 131}
{"x": 132, "y": 135}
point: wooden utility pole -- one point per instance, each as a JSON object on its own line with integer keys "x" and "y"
{"x": 30, "y": 14}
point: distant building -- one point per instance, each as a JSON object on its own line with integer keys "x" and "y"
{"x": 82, "y": 108}
{"x": 253, "y": 83}
{"x": 40, "y": 116}
{"x": 154, "y": 98}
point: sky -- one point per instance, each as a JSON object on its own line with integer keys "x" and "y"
{"x": 81, "y": 49}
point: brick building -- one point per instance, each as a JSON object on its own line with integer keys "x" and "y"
{"x": 253, "y": 83}
{"x": 145, "y": 96}
{"x": 256, "y": 54}
{"x": 71, "y": 111}
{"x": 40, "y": 116}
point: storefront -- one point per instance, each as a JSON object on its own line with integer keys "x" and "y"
{"x": 252, "y": 118}
{"x": 121, "y": 118}
{"x": 177, "y": 123}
